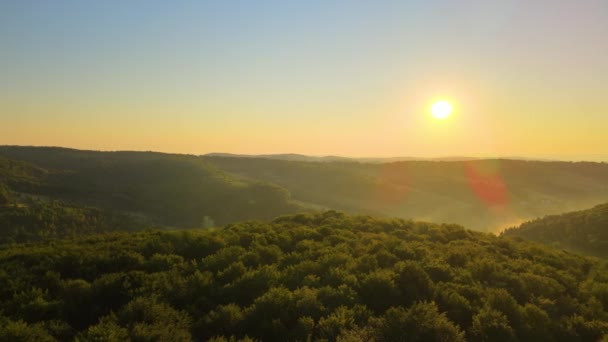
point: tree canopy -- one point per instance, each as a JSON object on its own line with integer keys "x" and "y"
{"x": 584, "y": 231}
{"x": 326, "y": 276}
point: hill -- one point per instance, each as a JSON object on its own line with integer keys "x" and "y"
{"x": 189, "y": 191}
{"x": 306, "y": 277}
{"x": 584, "y": 231}
{"x": 484, "y": 195}
{"x": 157, "y": 189}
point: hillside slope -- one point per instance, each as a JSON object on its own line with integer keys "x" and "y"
{"x": 160, "y": 189}
{"x": 320, "y": 277}
{"x": 484, "y": 195}
{"x": 584, "y": 231}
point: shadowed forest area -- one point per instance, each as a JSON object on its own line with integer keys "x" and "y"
{"x": 87, "y": 190}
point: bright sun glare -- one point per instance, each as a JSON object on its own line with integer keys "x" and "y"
{"x": 441, "y": 109}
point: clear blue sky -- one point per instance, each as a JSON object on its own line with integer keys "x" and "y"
{"x": 316, "y": 77}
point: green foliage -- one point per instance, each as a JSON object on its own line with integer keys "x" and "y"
{"x": 37, "y": 220}
{"x": 379, "y": 291}
{"x": 106, "y": 330}
{"x": 20, "y": 175}
{"x": 584, "y": 231}
{"x": 6, "y": 197}
{"x": 331, "y": 326}
{"x": 148, "y": 320}
{"x": 20, "y": 331}
{"x": 491, "y": 325}
{"x": 421, "y": 322}
{"x": 306, "y": 277}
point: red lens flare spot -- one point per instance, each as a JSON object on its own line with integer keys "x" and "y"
{"x": 486, "y": 182}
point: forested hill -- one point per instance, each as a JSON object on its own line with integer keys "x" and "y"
{"x": 326, "y": 277}
{"x": 584, "y": 231}
{"x": 484, "y": 195}
{"x": 153, "y": 188}
{"x": 188, "y": 191}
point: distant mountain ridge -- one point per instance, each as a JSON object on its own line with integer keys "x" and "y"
{"x": 307, "y": 158}
{"x": 330, "y": 158}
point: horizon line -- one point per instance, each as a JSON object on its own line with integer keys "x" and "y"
{"x": 598, "y": 158}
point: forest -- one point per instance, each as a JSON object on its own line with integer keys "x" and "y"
{"x": 584, "y": 231}
{"x": 154, "y": 188}
{"x": 172, "y": 190}
{"x": 486, "y": 195}
{"x": 161, "y": 247}
{"x": 30, "y": 219}
{"x": 305, "y": 277}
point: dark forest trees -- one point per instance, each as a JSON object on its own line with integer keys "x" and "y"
{"x": 6, "y": 197}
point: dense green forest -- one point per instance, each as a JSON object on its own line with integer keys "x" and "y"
{"x": 584, "y": 231}
{"x": 485, "y": 195}
{"x": 85, "y": 254}
{"x": 154, "y": 188}
{"x": 31, "y": 219}
{"x": 306, "y": 277}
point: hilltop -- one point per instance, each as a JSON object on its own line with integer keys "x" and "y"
{"x": 584, "y": 231}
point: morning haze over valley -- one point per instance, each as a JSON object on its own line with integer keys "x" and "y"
{"x": 303, "y": 171}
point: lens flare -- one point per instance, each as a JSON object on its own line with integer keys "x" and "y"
{"x": 487, "y": 183}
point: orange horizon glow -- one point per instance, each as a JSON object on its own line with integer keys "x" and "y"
{"x": 198, "y": 78}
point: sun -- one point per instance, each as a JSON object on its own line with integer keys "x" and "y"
{"x": 441, "y": 109}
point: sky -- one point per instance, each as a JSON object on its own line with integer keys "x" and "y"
{"x": 351, "y": 78}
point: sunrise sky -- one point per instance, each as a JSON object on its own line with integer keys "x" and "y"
{"x": 353, "y": 78}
